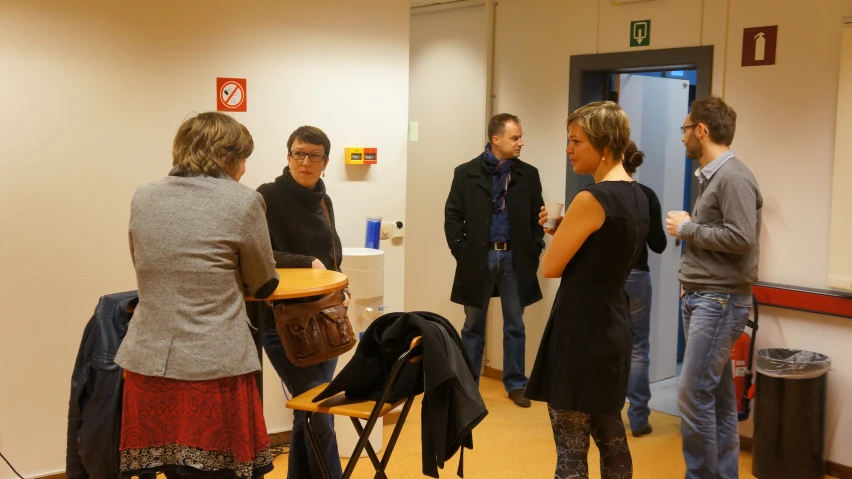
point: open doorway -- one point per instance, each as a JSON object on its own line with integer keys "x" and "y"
{"x": 655, "y": 88}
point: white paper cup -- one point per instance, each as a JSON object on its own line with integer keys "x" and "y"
{"x": 553, "y": 210}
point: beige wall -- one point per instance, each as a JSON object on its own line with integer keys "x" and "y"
{"x": 785, "y": 131}
{"x": 839, "y": 255}
{"x": 447, "y": 88}
{"x": 98, "y": 89}
{"x": 785, "y": 134}
{"x": 94, "y": 92}
{"x": 532, "y": 45}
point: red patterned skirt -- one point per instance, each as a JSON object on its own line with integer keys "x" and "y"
{"x": 190, "y": 426}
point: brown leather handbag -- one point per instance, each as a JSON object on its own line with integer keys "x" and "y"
{"x": 317, "y": 331}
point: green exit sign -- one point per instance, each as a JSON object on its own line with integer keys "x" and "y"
{"x": 640, "y": 33}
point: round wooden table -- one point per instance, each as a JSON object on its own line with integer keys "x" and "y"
{"x": 304, "y": 282}
{"x": 293, "y": 283}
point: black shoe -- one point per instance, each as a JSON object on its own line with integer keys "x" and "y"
{"x": 641, "y": 432}
{"x": 518, "y": 397}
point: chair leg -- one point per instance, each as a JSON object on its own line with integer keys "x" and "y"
{"x": 315, "y": 445}
{"x": 364, "y": 436}
{"x": 396, "y": 431}
{"x": 380, "y": 468}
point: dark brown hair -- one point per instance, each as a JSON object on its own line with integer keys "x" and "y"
{"x": 497, "y": 124}
{"x": 633, "y": 158}
{"x": 311, "y": 135}
{"x": 721, "y": 119}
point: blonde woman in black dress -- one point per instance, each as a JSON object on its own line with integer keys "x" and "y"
{"x": 583, "y": 363}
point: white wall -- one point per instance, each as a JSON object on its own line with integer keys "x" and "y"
{"x": 785, "y": 134}
{"x": 94, "y": 92}
{"x": 447, "y": 88}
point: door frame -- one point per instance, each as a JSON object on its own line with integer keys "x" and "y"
{"x": 588, "y": 70}
{"x": 699, "y": 59}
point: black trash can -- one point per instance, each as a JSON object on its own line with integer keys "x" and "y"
{"x": 789, "y": 414}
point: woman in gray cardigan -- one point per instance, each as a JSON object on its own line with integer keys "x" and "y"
{"x": 199, "y": 242}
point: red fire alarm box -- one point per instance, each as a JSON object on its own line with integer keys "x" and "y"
{"x": 370, "y": 156}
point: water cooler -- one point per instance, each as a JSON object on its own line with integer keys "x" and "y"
{"x": 365, "y": 268}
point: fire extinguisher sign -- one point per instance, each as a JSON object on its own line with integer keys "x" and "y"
{"x": 759, "y": 45}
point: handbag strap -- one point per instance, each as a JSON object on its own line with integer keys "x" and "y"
{"x": 331, "y": 228}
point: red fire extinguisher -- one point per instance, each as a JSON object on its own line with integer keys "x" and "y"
{"x": 739, "y": 362}
{"x": 742, "y": 355}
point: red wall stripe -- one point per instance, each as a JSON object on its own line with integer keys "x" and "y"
{"x": 833, "y": 303}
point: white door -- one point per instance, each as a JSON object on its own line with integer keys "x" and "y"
{"x": 447, "y": 78}
{"x": 656, "y": 107}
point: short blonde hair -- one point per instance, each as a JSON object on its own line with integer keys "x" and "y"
{"x": 606, "y": 125}
{"x": 209, "y": 143}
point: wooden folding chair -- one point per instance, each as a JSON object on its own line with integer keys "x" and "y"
{"x": 370, "y": 410}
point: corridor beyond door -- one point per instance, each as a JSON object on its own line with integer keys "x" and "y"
{"x": 656, "y": 107}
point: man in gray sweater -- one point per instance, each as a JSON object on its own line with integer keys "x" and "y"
{"x": 718, "y": 269}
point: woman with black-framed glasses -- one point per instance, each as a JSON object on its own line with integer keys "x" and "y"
{"x": 303, "y": 236}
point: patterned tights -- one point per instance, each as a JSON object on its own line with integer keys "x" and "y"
{"x": 572, "y": 429}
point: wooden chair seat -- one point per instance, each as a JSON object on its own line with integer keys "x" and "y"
{"x": 338, "y": 405}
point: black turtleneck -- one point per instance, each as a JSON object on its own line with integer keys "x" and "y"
{"x": 298, "y": 228}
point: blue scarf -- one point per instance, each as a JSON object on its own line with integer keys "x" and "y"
{"x": 501, "y": 172}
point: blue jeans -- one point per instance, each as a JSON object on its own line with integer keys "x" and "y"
{"x": 502, "y": 273}
{"x": 706, "y": 397}
{"x": 638, "y": 288}
{"x": 302, "y": 463}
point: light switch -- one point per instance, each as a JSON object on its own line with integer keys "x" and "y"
{"x": 413, "y": 131}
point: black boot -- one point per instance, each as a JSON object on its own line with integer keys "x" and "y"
{"x": 518, "y": 397}
{"x": 641, "y": 432}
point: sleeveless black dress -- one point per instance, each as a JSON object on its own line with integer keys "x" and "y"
{"x": 583, "y": 362}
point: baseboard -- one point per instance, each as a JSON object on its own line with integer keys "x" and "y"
{"x": 838, "y": 470}
{"x": 492, "y": 373}
{"x": 279, "y": 439}
{"x": 55, "y": 475}
{"x": 831, "y": 468}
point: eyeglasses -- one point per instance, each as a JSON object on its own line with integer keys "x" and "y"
{"x": 686, "y": 127}
{"x": 300, "y": 156}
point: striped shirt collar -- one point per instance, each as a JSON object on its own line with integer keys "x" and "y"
{"x": 708, "y": 171}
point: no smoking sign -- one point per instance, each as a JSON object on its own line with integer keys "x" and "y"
{"x": 230, "y": 94}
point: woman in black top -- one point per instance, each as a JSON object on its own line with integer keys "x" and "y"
{"x": 638, "y": 288}
{"x": 583, "y": 362}
{"x": 303, "y": 237}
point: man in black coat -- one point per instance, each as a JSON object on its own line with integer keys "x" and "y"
{"x": 491, "y": 224}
